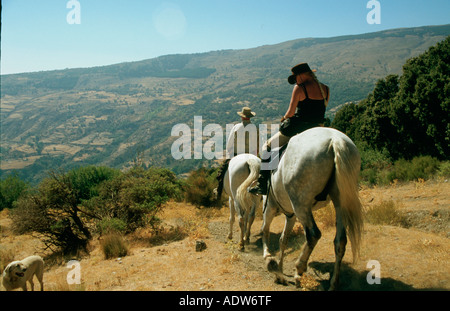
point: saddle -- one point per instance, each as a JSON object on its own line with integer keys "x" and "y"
{"x": 276, "y": 155}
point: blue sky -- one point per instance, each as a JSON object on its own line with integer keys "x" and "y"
{"x": 36, "y": 35}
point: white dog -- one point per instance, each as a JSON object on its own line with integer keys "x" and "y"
{"x": 17, "y": 273}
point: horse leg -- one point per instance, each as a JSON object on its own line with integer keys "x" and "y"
{"x": 288, "y": 225}
{"x": 340, "y": 241}
{"x": 258, "y": 205}
{"x": 242, "y": 220}
{"x": 313, "y": 235}
{"x": 271, "y": 262}
{"x": 250, "y": 220}
{"x": 268, "y": 216}
{"x": 232, "y": 216}
{"x": 242, "y": 225}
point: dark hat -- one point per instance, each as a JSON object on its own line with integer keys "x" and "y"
{"x": 298, "y": 69}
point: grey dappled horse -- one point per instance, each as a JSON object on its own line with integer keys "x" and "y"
{"x": 317, "y": 159}
{"x": 243, "y": 169}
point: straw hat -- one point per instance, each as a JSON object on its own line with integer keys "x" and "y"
{"x": 298, "y": 69}
{"x": 246, "y": 113}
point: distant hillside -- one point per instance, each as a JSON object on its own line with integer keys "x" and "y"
{"x": 114, "y": 115}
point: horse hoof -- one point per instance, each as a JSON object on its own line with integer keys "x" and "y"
{"x": 280, "y": 279}
{"x": 298, "y": 280}
{"x": 272, "y": 264}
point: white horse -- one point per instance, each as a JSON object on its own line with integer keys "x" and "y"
{"x": 317, "y": 159}
{"x": 243, "y": 169}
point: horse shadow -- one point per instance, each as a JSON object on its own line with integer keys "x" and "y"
{"x": 349, "y": 280}
{"x": 352, "y": 280}
{"x": 294, "y": 242}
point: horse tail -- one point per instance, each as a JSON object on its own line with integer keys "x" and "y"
{"x": 347, "y": 163}
{"x": 245, "y": 198}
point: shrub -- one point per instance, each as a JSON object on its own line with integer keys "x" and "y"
{"x": 113, "y": 246}
{"x": 372, "y": 163}
{"x": 423, "y": 167}
{"x": 134, "y": 199}
{"x": 371, "y": 158}
{"x": 65, "y": 207}
{"x": 376, "y": 167}
{"x": 111, "y": 225}
{"x": 385, "y": 213}
{"x": 369, "y": 176}
{"x": 444, "y": 169}
{"x": 199, "y": 187}
{"x": 11, "y": 188}
{"x": 85, "y": 180}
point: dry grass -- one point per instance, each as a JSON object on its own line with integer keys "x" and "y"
{"x": 167, "y": 260}
{"x": 385, "y": 213}
{"x": 6, "y": 256}
{"x": 113, "y": 246}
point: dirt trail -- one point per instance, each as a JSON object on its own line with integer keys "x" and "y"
{"x": 410, "y": 258}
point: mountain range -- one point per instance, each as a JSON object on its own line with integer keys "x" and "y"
{"x": 122, "y": 114}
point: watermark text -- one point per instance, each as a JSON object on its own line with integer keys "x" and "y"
{"x": 374, "y": 275}
{"x": 74, "y": 15}
{"x": 74, "y": 275}
{"x": 206, "y": 142}
{"x": 374, "y": 16}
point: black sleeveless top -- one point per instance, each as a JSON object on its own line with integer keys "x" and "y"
{"x": 310, "y": 113}
{"x": 310, "y": 110}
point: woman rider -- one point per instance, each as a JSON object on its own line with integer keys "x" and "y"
{"x": 306, "y": 110}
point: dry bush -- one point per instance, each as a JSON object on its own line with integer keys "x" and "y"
{"x": 113, "y": 246}
{"x": 200, "y": 186}
{"x": 385, "y": 213}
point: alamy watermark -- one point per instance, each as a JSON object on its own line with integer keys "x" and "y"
{"x": 190, "y": 143}
{"x": 74, "y": 15}
{"x": 74, "y": 275}
{"x": 374, "y": 16}
{"x": 374, "y": 275}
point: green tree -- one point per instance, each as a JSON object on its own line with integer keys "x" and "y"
{"x": 346, "y": 119}
{"x": 11, "y": 188}
{"x": 421, "y": 110}
{"x": 135, "y": 198}
{"x": 370, "y": 120}
{"x": 54, "y": 208}
{"x": 409, "y": 115}
{"x": 375, "y": 126}
{"x": 65, "y": 208}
